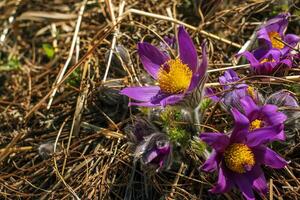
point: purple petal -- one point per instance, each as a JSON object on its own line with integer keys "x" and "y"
{"x": 250, "y": 57}
{"x": 218, "y": 141}
{"x": 292, "y": 39}
{"x": 260, "y": 53}
{"x": 263, "y": 36}
{"x": 194, "y": 82}
{"x": 241, "y": 126}
{"x": 249, "y": 105}
{"x": 224, "y": 183}
{"x": 187, "y": 50}
{"x": 200, "y": 74}
{"x": 211, "y": 164}
{"x": 245, "y": 186}
{"x": 258, "y": 179}
{"x": 263, "y": 135}
{"x": 282, "y": 98}
{"x": 285, "y": 64}
{"x": 151, "y": 156}
{"x": 140, "y": 93}
{"x": 273, "y": 54}
{"x": 275, "y": 117}
{"x": 269, "y": 109}
{"x": 209, "y": 92}
{"x": 171, "y": 100}
{"x": 268, "y": 157}
{"x": 152, "y": 58}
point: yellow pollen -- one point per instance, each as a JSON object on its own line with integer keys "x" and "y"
{"x": 176, "y": 78}
{"x": 267, "y": 60}
{"x": 255, "y": 124}
{"x": 251, "y": 92}
{"x": 276, "y": 40}
{"x": 238, "y": 156}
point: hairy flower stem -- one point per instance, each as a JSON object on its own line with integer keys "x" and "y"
{"x": 195, "y": 119}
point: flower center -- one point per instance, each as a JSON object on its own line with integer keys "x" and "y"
{"x": 239, "y": 157}
{"x": 255, "y": 124}
{"x": 267, "y": 60}
{"x": 175, "y": 77}
{"x": 251, "y": 92}
{"x": 275, "y": 40}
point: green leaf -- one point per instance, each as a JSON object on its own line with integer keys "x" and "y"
{"x": 12, "y": 64}
{"x": 49, "y": 50}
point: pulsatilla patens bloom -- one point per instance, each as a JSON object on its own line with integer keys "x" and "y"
{"x": 238, "y": 157}
{"x": 271, "y": 34}
{"x": 234, "y": 91}
{"x": 263, "y": 116}
{"x": 176, "y": 77}
{"x": 267, "y": 62}
{"x": 274, "y": 53}
{"x": 152, "y": 147}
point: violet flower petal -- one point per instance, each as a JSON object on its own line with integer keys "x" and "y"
{"x": 258, "y": 179}
{"x": 249, "y": 105}
{"x": 292, "y": 40}
{"x": 282, "y": 98}
{"x": 200, "y": 73}
{"x": 273, "y": 116}
{"x": 241, "y": 126}
{"x": 218, "y": 141}
{"x": 187, "y": 50}
{"x": 171, "y": 100}
{"x": 152, "y": 58}
{"x": 212, "y": 162}
{"x": 245, "y": 186}
{"x": 268, "y": 157}
{"x": 224, "y": 183}
{"x": 284, "y": 64}
{"x": 144, "y": 93}
{"x": 151, "y": 156}
{"x": 250, "y": 57}
{"x": 263, "y": 135}
{"x": 209, "y": 92}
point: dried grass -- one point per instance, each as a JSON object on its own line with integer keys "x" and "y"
{"x": 74, "y": 146}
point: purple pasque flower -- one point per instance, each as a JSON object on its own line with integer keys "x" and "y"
{"x": 267, "y": 62}
{"x": 263, "y": 116}
{"x": 287, "y": 101}
{"x": 271, "y": 34}
{"x": 282, "y": 98}
{"x": 155, "y": 151}
{"x": 238, "y": 157}
{"x": 152, "y": 147}
{"x": 234, "y": 91}
{"x": 175, "y": 77}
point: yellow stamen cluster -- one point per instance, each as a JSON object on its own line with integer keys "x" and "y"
{"x": 237, "y": 156}
{"x": 267, "y": 60}
{"x": 251, "y": 92}
{"x": 255, "y": 124}
{"x": 276, "y": 40}
{"x": 176, "y": 78}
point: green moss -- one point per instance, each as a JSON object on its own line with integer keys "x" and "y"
{"x": 74, "y": 78}
{"x": 198, "y": 146}
{"x": 48, "y": 50}
{"x": 10, "y": 64}
{"x": 179, "y": 136}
